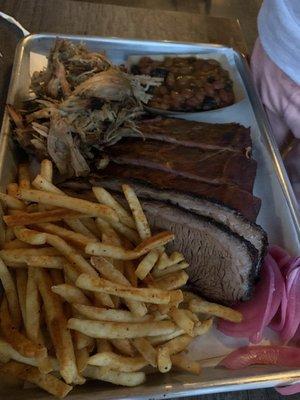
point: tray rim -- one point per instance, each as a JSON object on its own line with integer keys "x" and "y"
{"x": 264, "y": 380}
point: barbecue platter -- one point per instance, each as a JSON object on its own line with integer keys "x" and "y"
{"x": 160, "y": 210}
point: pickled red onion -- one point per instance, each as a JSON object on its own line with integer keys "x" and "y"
{"x": 260, "y": 310}
{"x": 288, "y": 390}
{"x": 267, "y": 355}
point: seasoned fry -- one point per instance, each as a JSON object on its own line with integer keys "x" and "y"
{"x": 29, "y": 236}
{"x": 71, "y": 203}
{"x": 29, "y": 251}
{"x": 15, "y": 244}
{"x": 119, "y": 253}
{"x": 11, "y": 294}
{"x": 82, "y": 358}
{"x": 160, "y": 339}
{"x": 124, "y": 347}
{"x": 41, "y": 183}
{"x": 57, "y": 326}
{"x": 172, "y": 281}
{"x": 164, "y": 363}
{"x": 165, "y": 261}
{"x": 203, "y": 327}
{"x": 47, "y": 382}
{"x": 146, "y": 265}
{"x": 129, "y": 272}
{"x": 73, "y": 237}
{"x": 116, "y": 377}
{"x": 137, "y": 212}
{"x": 9, "y": 234}
{"x": 24, "y": 176}
{"x": 21, "y": 283}
{"x": 128, "y": 233}
{"x": 7, "y": 352}
{"x": 117, "y": 362}
{"x": 201, "y": 306}
{"x": 90, "y": 224}
{"x": 110, "y": 272}
{"x": 182, "y": 320}
{"x": 11, "y": 202}
{"x": 145, "y": 348}
{"x": 120, "y": 330}
{"x": 178, "y": 344}
{"x": 32, "y": 320}
{"x": 77, "y": 226}
{"x": 47, "y": 170}
{"x": 18, "y": 260}
{"x": 24, "y": 218}
{"x": 56, "y": 276}
{"x": 71, "y": 294}
{"x": 71, "y": 255}
{"x": 104, "y": 197}
{"x": 182, "y": 362}
{"x": 102, "y": 314}
{"x": 147, "y": 295}
{"x": 157, "y": 273}
{"x": 18, "y": 341}
{"x": 103, "y": 345}
{"x": 12, "y": 189}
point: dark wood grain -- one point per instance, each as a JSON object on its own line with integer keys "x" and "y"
{"x": 110, "y": 20}
{"x": 101, "y": 19}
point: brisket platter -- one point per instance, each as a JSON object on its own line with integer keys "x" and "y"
{"x": 196, "y": 180}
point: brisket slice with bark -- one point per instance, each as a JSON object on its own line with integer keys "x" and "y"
{"x": 234, "y": 197}
{"x": 222, "y": 264}
{"x": 235, "y": 221}
{"x": 233, "y": 137}
{"x": 213, "y": 166}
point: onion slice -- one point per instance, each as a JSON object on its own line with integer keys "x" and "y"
{"x": 288, "y": 390}
{"x": 292, "y": 320}
{"x": 260, "y": 310}
{"x": 262, "y": 355}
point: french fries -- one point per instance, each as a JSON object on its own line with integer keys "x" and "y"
{"x": 146, "y": 265}
{"x": 103, "y": 314}
{"x": 104, "y": 197}
{"x": 87, "y": 283}
{"x": 155, "y": 296}
{"x": 47, "y": 382}
{"x": 117, "y": 362}
{"x": 119, "y": 253}
{"x": 71, "y": 203}
{"x": 137, "y": 211}
{"x": 118, "y": 378}
{"x": 11, "y": 294}
{"x": 164, "y": 363}
{"x": 201, "y": 306}
{"x": 145, "y": 348}
{"x": 120, "y": 330}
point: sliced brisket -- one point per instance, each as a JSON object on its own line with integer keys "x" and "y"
{"x": 222, "y": 264}
{"x": 198, "y": 205}
{"x": 233, "y": 137}
{"x": 232, "y": 196}
{"x": 209, "y": 166}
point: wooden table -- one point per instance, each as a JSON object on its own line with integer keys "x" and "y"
{"x": 106, "y": 20}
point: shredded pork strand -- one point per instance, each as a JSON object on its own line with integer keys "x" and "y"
{"x": 79, "y": 104}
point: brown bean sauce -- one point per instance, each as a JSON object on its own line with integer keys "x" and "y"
{"x": 190, "y": 84}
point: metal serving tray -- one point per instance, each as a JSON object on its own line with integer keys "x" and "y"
{"x": 279, "y": 216}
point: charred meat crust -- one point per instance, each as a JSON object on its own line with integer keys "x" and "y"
{"x": 203, "y": 284}
{"x": 233, "y": 196}
{"x": 231, "y": 136}
{"x": 145, "y": 191}
{"x": 208, "y": 166}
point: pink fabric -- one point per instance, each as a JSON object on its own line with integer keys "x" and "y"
{"x": 281, "y": 98}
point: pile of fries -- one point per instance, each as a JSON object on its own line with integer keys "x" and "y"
{"x": 89, "y": 292}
